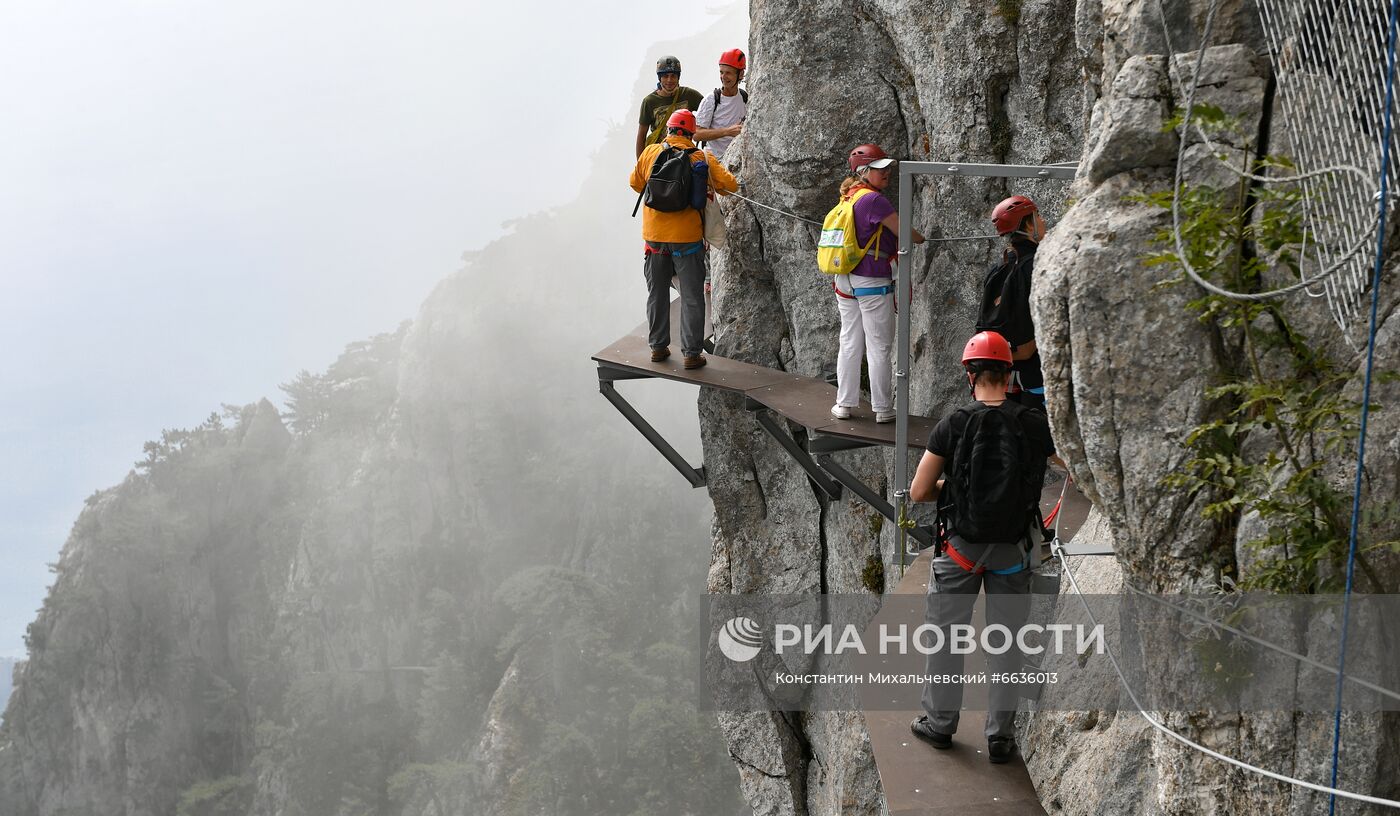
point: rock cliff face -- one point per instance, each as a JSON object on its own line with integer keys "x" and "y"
{"x": 1127, "y": 364}
{"x": 8, "y": 667}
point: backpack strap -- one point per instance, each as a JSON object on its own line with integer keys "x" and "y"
{"x": 661, "y": 129}
{"x": 856, "y": 194}
{"x": 1013, "y": 412}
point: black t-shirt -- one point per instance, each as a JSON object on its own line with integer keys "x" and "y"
{"x": 1036, "y": 427}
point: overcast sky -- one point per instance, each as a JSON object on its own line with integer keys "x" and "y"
{"x": 199, "y": 199}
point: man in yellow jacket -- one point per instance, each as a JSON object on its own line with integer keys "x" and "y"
{"x": 675, "y": 245}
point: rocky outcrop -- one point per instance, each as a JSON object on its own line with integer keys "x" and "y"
{"x": 942, "y": 81}
{"x": 1124, "y": 401}
{"x": 1127, "y": 364}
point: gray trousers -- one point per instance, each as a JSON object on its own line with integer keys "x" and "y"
{"x": 690, "y": 271}
{"x": 952, "y": 591}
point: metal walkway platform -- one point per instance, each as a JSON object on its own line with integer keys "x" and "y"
{"x": 920, "y": 780}
{"x": 806, "y": 401}
{"x": 803, "y": 401}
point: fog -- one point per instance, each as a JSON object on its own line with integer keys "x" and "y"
{"x": 202, "y": 199}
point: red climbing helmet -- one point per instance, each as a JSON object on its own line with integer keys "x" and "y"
{"x": 1008, "y": 215}
{"x": 868, "y": 154}
{"x": 987, "y": 345}
{"x": 683, "y": 119}
{"x": 734, "y": 58}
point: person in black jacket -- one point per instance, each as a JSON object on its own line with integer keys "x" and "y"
{"x": 1006, "y": 297}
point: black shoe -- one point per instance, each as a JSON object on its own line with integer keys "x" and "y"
{"x": 924, "y": 731}
{"x": 1000, "y": 750}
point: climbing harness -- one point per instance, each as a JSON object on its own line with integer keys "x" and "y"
{"x": 674, "y": 253}
{"x": 977, "y": 566}
{"x": 863, "y": 291}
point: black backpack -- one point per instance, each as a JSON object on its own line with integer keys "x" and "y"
{"x": 992, "y": 493}
{"x": 1003, "y": 308}
{"x": 672, "y": 179}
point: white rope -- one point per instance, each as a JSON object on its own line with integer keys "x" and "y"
{"x": 1258, "y": 640}
{"x": 1190, "y": 90}
{"x": 818, "y": 223}
{"x": 1155, "y": 723}
{"x": 775, "y": 209}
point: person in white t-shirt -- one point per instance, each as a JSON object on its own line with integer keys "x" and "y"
{"x": 721, "y": 114}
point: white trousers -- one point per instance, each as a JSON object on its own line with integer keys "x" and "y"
{"x": 867, "y": 329}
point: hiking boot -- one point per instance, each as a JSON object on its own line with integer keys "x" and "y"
{"x": 694, "y": 362}
{"x": 840, "y": 412}
{"x": 923, "y": 729}
{"x": 883, "y": 417}
{"x": 1000, "y": 750}
{"x": 657, "y": 355}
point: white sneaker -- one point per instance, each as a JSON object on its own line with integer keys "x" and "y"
{"x": 840, "y": 412}
{"x": 884, "y": 416}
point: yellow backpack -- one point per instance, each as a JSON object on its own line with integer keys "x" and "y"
{"x": 838, "y": 251}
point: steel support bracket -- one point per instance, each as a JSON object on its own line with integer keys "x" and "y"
{"x": 607, "y": 373}
{"x": 822, "y": 443}
{"x": 814, "y": 472}
{"x": 870, "y": 497}
{"x": 694, "y": 475}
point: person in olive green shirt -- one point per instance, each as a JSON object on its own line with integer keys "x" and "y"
{"x": 668, "y": 98}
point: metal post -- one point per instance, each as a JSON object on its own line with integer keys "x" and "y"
{"x": 902, "y": 296}
{"x": 907, "y": 171}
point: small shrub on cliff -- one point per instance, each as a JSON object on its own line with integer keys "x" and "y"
{"x": 1284, "y": 389}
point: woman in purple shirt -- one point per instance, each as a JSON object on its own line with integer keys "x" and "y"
{"x": 865, "y": 297}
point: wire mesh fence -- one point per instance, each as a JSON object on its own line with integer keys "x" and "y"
{"x": 1329, "y": 60}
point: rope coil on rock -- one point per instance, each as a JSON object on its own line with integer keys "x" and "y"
{"x": 1305, "y": 283}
